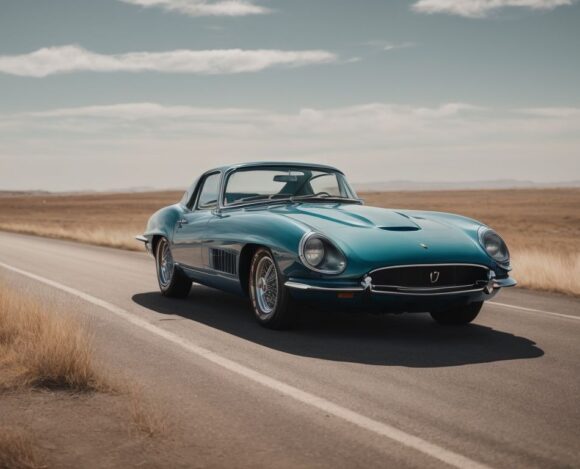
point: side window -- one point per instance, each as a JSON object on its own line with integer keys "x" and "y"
{"x": 209, "y": 192}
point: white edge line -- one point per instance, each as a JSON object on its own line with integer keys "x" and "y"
{"x": 532, "y": 310}
{"x": 320, "y": 403}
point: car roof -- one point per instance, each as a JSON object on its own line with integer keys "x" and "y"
{"x": 269, "y": 164}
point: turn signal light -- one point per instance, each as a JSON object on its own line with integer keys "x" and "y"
{"x": 345, "y": 295}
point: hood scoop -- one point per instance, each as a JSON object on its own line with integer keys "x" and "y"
{"x": 399, "y": 228}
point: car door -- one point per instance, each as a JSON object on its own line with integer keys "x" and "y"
{"x": 190, "y": 230}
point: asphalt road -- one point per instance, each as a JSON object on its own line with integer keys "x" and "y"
{"x": 340, "y": 390}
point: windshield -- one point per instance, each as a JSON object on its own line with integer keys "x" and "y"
{"x": 260, "y": 184}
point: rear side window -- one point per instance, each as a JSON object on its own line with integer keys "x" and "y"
{"x": 208, "y": 195}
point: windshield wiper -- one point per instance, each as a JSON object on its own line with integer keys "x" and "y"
{"x": 317, "y": 197}
{"x": 260, "y": 198}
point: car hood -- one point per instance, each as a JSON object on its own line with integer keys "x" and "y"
{"x": 377, "y": 237}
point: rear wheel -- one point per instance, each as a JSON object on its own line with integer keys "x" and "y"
{"x": 458, "y": 316}
{"x": 172, "y": 281}
{"x": 271, "y": 300}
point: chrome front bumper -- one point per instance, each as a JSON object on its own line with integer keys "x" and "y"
{"x": 145, "y": 241}
{"x": 366, "y": 286}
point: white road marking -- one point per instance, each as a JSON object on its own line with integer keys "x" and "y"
{"x": 532, "y": 310}
{"x": 320, "y": 403}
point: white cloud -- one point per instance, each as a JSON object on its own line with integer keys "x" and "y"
{"x": 366, "y": 124}
{"x": 102, "y": 146}
{"x": 550, "y": 112}
{"x": 371, "y": 117}
{"x": 481, "y": 8}
{"x": 71, "y": 58}
{"x": 204, "y": 8}
{"x": 388, "y": 46}
{"x": 140, "y": 111}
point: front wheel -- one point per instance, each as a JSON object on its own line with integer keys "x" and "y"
{"x": 458, "y": 316}
{"x": 271, "y": 301}
{"x": 172, "y": 281}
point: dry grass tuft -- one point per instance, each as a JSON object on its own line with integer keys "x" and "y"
{"x": 17, "y": 450}
{"x": 548, "y": 271}
{"x": 42, "y": 348}
{"x": 145, "y": 418}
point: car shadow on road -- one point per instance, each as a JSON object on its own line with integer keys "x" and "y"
{"x": 411, "y": 340}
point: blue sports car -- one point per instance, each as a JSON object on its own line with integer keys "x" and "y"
{"x": 284, "y": 233}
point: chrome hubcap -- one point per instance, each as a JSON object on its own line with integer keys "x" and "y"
{"x": 166, "y": 264}
{"x": 266, "y": 281}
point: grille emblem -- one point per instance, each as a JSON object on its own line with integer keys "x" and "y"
{"x": 434, "y": 276}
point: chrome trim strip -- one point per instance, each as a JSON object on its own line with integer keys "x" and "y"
{"x": 305, "y": 287}
{"x": 427, "y": 293}
{"x": 424, "y": 289}
{"x": 427, "y": 265}
{"x": 504, "y": 282}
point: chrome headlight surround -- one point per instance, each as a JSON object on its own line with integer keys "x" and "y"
{"x": 332, "y": 260}
{"x": 494, "y": 245}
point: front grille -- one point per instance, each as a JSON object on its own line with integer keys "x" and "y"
{"x": 425, "y": 278}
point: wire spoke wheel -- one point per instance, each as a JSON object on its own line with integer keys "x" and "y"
{"x": 266, "y": 284}
{"x": 166, "y": 265}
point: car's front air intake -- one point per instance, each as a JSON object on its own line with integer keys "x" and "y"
{"x": 430, "y": 278}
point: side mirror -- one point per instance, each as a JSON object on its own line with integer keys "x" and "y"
{"x": 217, "y": 212}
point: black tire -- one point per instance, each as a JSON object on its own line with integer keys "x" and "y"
{"x": 270, "y": 299}
{"x": 458, "y": 316}
{"x": 172, "y": 281}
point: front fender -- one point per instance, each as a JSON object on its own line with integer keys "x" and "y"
{"x": 162, "y": 222}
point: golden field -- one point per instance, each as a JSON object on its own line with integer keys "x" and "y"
{"x": 541, "y": 226}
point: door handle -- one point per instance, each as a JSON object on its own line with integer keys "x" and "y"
{"x": 182, "y": 222}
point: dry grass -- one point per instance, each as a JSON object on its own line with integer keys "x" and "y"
{"x": 553, "y": 271}
{"x": 145, "y": 417}
{"x": 99, "y": 236}
{"x": 43, "y": 348}
{"x": 541, "y": 226}
{"x": 17, "y": 450}
{"x": 102, "y": 219}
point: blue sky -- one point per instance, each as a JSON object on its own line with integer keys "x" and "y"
{"x": 123, "y": 93}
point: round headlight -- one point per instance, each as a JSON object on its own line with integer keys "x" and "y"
{"x": 494, "y": 245}
{"x": 320, "y": 254}
{"x": 314, "y": 251}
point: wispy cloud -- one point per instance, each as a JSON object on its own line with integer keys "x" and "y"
{"x": 71, "y": 58}
{"x": 204, "y": 7}
{"x": 388, "y": 45}
{"x": 100, "y": 146}
{"x": 373, "y": 122}
{"x": 553, "y": 112}
{"x": 482, "y": 8}
{"x": 141, "y": 111}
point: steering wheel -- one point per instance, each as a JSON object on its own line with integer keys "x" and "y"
{"x": 322, "y": 193}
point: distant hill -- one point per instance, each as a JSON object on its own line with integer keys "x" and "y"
{"x": 385, "y": 186}
{"x": 461, "y": 185}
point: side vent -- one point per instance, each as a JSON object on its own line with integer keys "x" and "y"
{"x": 224, "y": 261}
